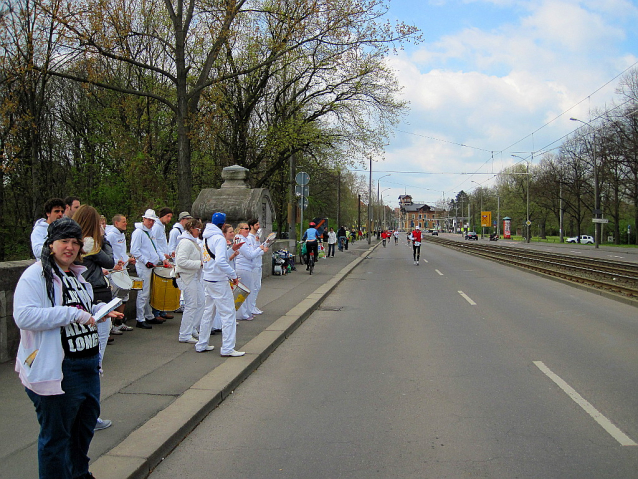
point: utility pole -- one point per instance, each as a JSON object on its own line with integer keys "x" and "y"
{"x": 369, "y": 202}
{"x": 338, "y": 199}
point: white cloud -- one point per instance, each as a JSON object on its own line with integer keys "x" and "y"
{"x": 491, "y": 88}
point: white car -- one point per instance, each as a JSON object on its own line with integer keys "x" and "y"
{"x": 584, "y": 239}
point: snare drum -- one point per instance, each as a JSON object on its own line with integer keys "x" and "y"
{"x": 240, "y": 293}
{"x": 164, "y": 296}
{"x": 122, "y": 280}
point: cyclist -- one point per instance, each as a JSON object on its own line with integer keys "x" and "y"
{"x": 311, "y": 237}
{"x": 396, "y": 236}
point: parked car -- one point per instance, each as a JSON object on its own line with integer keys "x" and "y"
{"x": 471, "y": 235}
{"x": 584, "y": 239}
{"x": 435, "y": 232}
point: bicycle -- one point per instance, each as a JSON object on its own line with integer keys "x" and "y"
{"x": 307, "y": 258}
{"x": 311, "y": 261}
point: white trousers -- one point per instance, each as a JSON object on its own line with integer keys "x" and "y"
{"x": 248, "y": 279}
{"x": 257, "y": 288}
{"x": 103, "y": 331}
{"x": 218, "y": 297}
{"x": 143, "y": 305}
{"x": 193, "y": 307}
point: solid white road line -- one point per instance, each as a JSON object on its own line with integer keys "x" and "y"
{"x": 605, "y": 423}
{"x": 440, "y": 274}
{"x": 467, "y": 298}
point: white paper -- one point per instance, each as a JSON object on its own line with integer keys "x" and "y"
{"x": 107, "y": 308}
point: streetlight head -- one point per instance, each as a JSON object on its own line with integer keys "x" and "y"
{"x": 574, "y": 119}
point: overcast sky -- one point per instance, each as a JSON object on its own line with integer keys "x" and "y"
{"x": 489, "y": 75}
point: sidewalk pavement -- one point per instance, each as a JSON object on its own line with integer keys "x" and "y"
{"x": 156, "y": 389}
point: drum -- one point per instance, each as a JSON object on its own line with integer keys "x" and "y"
{"x": 122, "y": 280}
{"x": 138, "y": 283}
{"x": 164, "y": 296}
{"x": 240, "y": 293}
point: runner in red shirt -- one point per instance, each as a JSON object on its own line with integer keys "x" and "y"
{"x": 416, "y": 244}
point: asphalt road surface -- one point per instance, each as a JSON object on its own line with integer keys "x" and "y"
{"x": 455, "y": 368}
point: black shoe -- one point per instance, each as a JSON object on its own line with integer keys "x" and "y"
{"x": 143, "y": 325}
{"x": 155, "y": 321}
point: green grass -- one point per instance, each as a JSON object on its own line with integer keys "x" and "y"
{"x": 556, "y": 239}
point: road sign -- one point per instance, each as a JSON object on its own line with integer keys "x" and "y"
{"x": 600, "y": 220}
{"x": 528, "y": 223}
{"x": 303, "y": 203}
{"x": 302, "y": 191}
{"x": 486, "y": 218}
{"x": 302, "y": 178}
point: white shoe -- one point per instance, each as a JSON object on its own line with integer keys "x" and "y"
{"x": 417, "y": 263}
{"x": 195, "y": 334}
{"x": 258, "y": 311}
{"x": 102, "y": 424}
{"x": 190, "y": 341}
{"x": 208, "y": 348}
{"x": 233, "y": 354}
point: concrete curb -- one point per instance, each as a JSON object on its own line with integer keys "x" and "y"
{"x": 137, "y": 455}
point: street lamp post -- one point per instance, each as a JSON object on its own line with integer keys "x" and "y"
{"x": 383, "y": 207}
{"x": 527, "y": 221}
{"x": 378, "y": 200}
{"x": 596, "y": 195}
{"x": 481, "y": 215}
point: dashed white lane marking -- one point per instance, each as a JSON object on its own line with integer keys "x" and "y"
{"x": 439, "y": 273}
{"x": 467, "y": 298}
{"x": 605, "y": 423}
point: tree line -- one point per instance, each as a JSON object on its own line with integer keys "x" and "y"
{"x": 132, "y": 104}
{"x": 594, "y": 173}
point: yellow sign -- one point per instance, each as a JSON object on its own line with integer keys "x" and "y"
{"x": 486, "y": 218}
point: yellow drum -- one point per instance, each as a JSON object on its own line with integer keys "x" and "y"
{"x": 240, "y": 293}
{"x": 164, "y": 296}
{"x": 138, "y": 283}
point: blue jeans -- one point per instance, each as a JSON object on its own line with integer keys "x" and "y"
{"x": 67, "y": 420}
{"x": 342, "y": 240}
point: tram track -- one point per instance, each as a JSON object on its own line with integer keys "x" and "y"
{"x": 617, "y": 278}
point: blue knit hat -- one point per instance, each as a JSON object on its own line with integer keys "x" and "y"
{"x": 219, "y": 219}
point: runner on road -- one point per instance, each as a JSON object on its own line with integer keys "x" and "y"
{"x": 416, "y": 244}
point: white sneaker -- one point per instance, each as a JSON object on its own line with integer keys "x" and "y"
{"x": 208, "y": 348}
{"x": 195, "y": 334}
{"x": 189, "y": 340}
{"x": 417, "y": 263}
{"x": 102, "y": 424}
{"x": 233, "y": 354}
{"x": 258, "y": 311}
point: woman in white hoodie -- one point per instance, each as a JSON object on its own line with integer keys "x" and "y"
{"x": 188, "y": 271}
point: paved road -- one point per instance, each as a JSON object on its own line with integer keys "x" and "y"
{"x": 439, "y": 371}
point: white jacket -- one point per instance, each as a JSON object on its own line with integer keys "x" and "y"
{"x": 38, "y": 236}
{"x": 332, "y": 237}
{"x": 160, "y": 238}
{"x": 40, "y": 324}
{"x": 118, "y": 242}
{"x": 173, "y": 237}
{"x": 188, "y": 258}
{"x": 218, "y": 269}
{"x": 248, "y": 253}
{"x": 142, "y": 248}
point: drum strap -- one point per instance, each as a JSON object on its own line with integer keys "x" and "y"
{"x": 210, "y": 253}
{"x": 152, "y": 242}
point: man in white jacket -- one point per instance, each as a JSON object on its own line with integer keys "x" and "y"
{"x": 217, "y": 274}
{"x": 147, "y": 256}
{"x": 116, "y": 235}
{"x": 54, "y": 209}
{"x": 176, "y": 231}
{"x": 247, "y": 270}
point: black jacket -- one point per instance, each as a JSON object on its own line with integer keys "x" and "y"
{"x": 94, "y": 264}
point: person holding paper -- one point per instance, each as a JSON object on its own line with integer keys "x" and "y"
{"x": 58, "y": 358}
